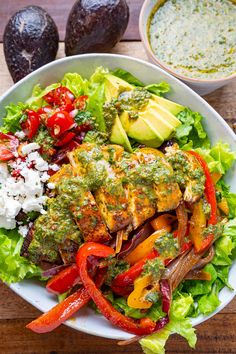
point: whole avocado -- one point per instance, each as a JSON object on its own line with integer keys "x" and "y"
{"x": 95, "y": 25}
{"x": 30, "y": 40}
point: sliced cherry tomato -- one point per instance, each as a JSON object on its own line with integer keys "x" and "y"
{"x": 80, "y": 102}
{"x": 62, "y": 97}
{"x": 8, "y": 146}
{"x": 31, "y": 125}
{"x": 59, "y": 123}
{"x": 44, "y": 113}
{"x": 65, "y": 139}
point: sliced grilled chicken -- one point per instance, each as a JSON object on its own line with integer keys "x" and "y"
{"x": 190, "y": 175}
{"x": 50, "y": 231}
{"x": 167, "y": 191}
{"x": 97, "y": 165}
{"x": 141, "y": 196}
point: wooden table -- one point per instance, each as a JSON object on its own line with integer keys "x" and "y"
{"x": 217, "y": 335}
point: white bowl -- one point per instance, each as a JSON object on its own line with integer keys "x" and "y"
{"x": 32, "y": 291}
{"x": 201, "y": 86}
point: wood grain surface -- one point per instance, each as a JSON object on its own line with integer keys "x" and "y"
{"x": 59, "y": 10}
{"x": 217, "y": 335}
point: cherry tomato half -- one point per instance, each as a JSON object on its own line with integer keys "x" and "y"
{"x": 65, "y": 138}
{"x": 61, "y": 97}
{"x": 59, "y": 123}
{"x": 80, "y": 102}
{"x": 31, "y": 125}
{"x": 8, "y": 146}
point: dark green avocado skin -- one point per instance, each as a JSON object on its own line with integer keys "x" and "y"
{"x": 95, "y": 26}
{"x": 30, "y": 40}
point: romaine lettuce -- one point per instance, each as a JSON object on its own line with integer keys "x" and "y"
{"x": 219, "y": 158}
{"x": 191, "y": 134}
{"x": 15, "y": 112}
{"x": 75, "y": 83}
{"x": 155, "y": 343}
{"x": 13, "y": 267}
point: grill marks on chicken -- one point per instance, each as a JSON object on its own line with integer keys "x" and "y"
{"x": 104, "y": 190}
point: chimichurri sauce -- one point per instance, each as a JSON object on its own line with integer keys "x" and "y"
{"x": 197, "y": 38}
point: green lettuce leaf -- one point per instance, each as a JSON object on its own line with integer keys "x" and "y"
{"x": 191, "y": 134}
{"x": 155, "y": 343}
{"x": 224, "y": 190}
{"x": 219, "y": 158}
{"x": 200, "y": 287}
{"x": 125, "y": 75}
{"x": 15, "y": 112}
{"x": 36, "y": 100}
{"x": 13, "y": 267}
{"x": 158, "y": 89}
{"x": 75, "y": 83}
{"x": 209, "y": 302}
{"x": 96, "y": 93}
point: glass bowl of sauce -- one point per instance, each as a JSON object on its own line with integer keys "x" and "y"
{"x": 194, "y": 40}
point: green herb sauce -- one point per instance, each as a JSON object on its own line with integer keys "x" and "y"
{"x": 196, "y": 38}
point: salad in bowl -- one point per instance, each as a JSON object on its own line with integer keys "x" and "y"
{"x": 113, "y": 196}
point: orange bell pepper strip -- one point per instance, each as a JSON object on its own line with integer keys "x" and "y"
{"x": 182, "y": 217}
{"x": 146, "y": 246}
{"x": 211, "y": 198}
{"x": 162, "y": 222}
{"x": 136, "y": 299}
{"x": 197, "y": 225}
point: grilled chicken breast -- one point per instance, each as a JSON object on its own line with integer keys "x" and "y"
{"x": 105, "y": 190}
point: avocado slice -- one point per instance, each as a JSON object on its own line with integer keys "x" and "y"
{"x": 142, "y": 131}
{"x": 161, "y": 116}
{"x": 170, "y": 106}
{"x": 114, "y": 86}
{"x": 119, "y": 136}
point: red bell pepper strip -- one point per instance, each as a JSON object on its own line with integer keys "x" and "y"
{"x": 60, "y": 313}
{"x": 64, "y": 280}
{"x": 31, "y": 125}
{"x": 127, "y": 278}
{"x": 211, "y": 198}
{"x": 209, "y": 189}
{"x": 8, "y": 146}
{"x": 64, "y": 310}
{"x": 114, "y": 316}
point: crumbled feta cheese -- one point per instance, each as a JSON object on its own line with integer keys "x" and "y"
{"x": 40, "y": 163}
{"x": 20, "y": 135}
{"x": 51, "y": 185}
{"x": 26, "y": 149}
{"x": 23, "y": 230}
{"x": 45, "y": 177}
{"x": 25, "y": 190}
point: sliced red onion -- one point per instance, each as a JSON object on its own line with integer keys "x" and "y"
{"x": 53, "y": 271}
{"x": 74, "y": 113}
{"x": 140, "y": 235}
{"x": 206, "y": 259}
{"x": 166, "y": 295}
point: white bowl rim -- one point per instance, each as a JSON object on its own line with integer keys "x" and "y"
{"x": 14, "y": 287}
{"x": 167, "y": 67}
